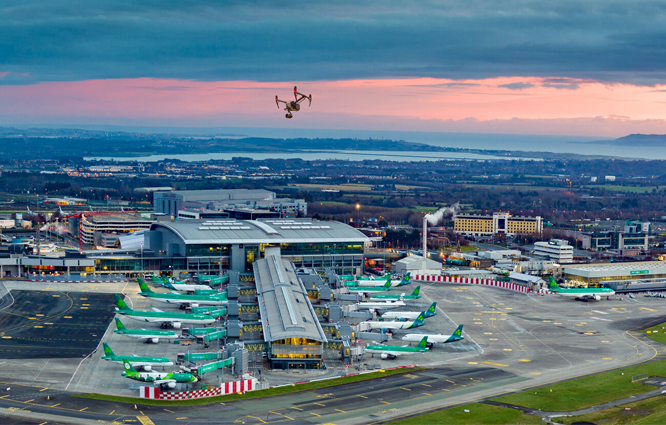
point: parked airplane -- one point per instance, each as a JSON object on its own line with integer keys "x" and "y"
{"x": 177, "y": 285}
{"x": 434, "y": 338}
{"x": 410, "y": 315}
{"x": 167, "y": 320}
{"x": 584, "y": 294}
{"x": 391, "y": 352}
{"x": 145, "y": 363}
{"x": 143, "y": 334}
{"x": 371, "y": 289}
{"x": 380, "y": 305}
{"x": 414, "y": 295}
{"x": 181, "y": 299}
{"x": 395, "y": 325}
{"x": 381, "y": 282}
{"x": 169, "y": 379}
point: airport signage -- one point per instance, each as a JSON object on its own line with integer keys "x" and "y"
{"x": 639, "y": 272}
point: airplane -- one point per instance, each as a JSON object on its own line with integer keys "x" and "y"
{"x": 371, "y": 289}
{"x": 166, "y": 320}
{"x": 414, "y": 295}
{"x": 145, "y": 363}
{"x": 583, "y": 294}
{"x": 181, "y": 299}
{"x": 433, "y": 338}
{"x": 408, "y": 315}
{"x": 396, "y": 325}
{"x": 177, "y": 285}
{"x": 168, "y": 379}
{"x": 391, "y": 352}
{"x": 293, "y": 105}
{"x": 380, "y": 305}
{"x": 147, "y": 335}
{"x": 381, "y": 282}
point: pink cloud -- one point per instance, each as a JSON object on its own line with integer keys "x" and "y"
{"x": 508, "y": 104}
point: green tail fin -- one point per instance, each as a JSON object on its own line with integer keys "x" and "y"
{"x": 456, "y": 335}
{"x": 388, "y": 283}
{"x": 423, "y": 343}
{"x": 119, "y": 325}
{"x": 417, "y": 290}
{"x": 121, "y": 303}
{"x": 431, "y": 311}
{"x": 107, "y": 350}
{"x": 143, "y": 286}
{"x": 419, "y": 321}
{"x": 128, "y": 366}
{"x": 553, "y": 284}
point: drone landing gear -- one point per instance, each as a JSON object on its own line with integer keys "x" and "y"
{"x": 289, "y": 116}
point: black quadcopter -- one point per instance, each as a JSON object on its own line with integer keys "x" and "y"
{"x": 294, "y": 105}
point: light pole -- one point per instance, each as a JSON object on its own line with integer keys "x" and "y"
{"x": 358, "y": 214}
{"x": 142, "y": 258}
{"x": 220, "y": 260}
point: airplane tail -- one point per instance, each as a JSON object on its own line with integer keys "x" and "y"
{"x": 402, "y": 297}
{"x": 405, "y": 280}
{"x": 128, "y": 366}
{"x": 417, "y": 291}
{"x": 419, "y": 321}
{"x": 107, "y": 350}
{"x": 388, "y": 283}
{"x": 456, "y": 335}
{"x": 553, "y": 285}
{"x": 143, "y": 286}
{"x": 121, "y": 303}
{"x": 423, "y": 343}
{"x": 119, "y": 325}
{"x": 432, "y": 310}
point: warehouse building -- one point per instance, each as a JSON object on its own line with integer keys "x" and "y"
{"x": 292, "y": 332}
{"x": 500, "y": 223}
{"x": 557, "y": 250}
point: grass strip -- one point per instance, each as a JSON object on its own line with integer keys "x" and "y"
{"x": 481, "y": 414}
{"x": 656, "y": 333}
{"x": 649, "y": 411}
{"x": 251, "y": 394}
{"x": 586, "y": 391}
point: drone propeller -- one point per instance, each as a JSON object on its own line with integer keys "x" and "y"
{"x": 277, "y": 103}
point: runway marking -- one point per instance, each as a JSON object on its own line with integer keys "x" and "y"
{"x": 508, "y": 349}
{"x": 39, "y": 315}
{"x": 599, "y": 318}
{"x": 509, "y": 308}
{"x": 297, "y": 408}
{"x": 114, "y": 411}
{"x": 145, "y": 420}
{"x": 362, "y": 396}
{"x": 487, "y": 333}
{"x": 557, "y": 323}
{"x": 56, "y": 296}
{"x": 6, "y": 337}
{"x": 472, "y": 362}
{"x": 524, "y": 360}
{"x": 494, "y": 339}
{"x": 448, "y": 380}
{"x": 253, "y": 417}
{"x": 29, "y": 401}
{"x": 600, "y": 312}
{"x": 607, "y": 358}
{"x": 288, "y": 417}
{"x": 491, "y": 318}
{"x": 496, "y": 364}
{"x": 312, "y": 413}
{"x": 478, "y": 314}
{"x": 605, "y": 341}
{"x": 66, "y": 317}
{"x": 32, "y": 318}
{"x": 546, "y": 321}
{"x": 385, "y": 402}
{"x": 319, "y": 404}
{"x": 342, "y": 411}
{"x": 588, "y": 333}
{"x": 648, "y": 309}
{"x": 5, "y": 396}
{"x": 426, "y": 385}
{"x": 585, "y": 323}
{"x": 536, "y": 373}
{"x": 43, "y": 390}
{"x": 275, "y": 413}
{"x": 56, "y": 405}
{"x": 406, "y": 389}
{"x": 38, "y": 326}
{"x": 426, "y": 393}
{"x": 85, "y": 408}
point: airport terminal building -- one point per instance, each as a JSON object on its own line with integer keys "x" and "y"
{"x": 629, "y": 277}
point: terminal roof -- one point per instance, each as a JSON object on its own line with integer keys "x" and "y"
{"x": 284, "y": 306}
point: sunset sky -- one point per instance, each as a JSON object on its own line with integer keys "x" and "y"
{"x": 594, "y": 68}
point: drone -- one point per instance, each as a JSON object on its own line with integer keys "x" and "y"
{"x": 294, "y": 105}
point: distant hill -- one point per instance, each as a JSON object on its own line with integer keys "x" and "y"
{"x": 645, "y": 140}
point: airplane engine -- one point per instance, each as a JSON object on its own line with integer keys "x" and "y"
{"x": 177, "y": 325}
{"x": 597, "y": 297}
{"x": 147, "y": 368}
{"x": 171, "y": 384}
{"x": 154, "y": 340}
{"x": 386, "y": 356}
{"x": 194, "y": 305}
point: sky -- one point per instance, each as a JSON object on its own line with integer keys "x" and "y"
{"x": 593, "y": 68}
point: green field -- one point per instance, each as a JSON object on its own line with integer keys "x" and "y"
{"x": 252, "y": 394}
{"x": 650, "y": 411}
{"x": 657, "y": 333}
{"x": 618, "y": 188}
{"x": 464, "y": 248}
{"x": 482, "y": 414}
{"x": 587, "y": 391}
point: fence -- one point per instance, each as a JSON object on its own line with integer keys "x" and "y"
{"x": 472, "y": 281}
{"x": 641, "y": 377}
{"x": 224, "y": 389}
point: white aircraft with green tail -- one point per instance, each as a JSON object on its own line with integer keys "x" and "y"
{"x": 165, "y": 319}
{"x": 395, "y": 324}
{"x": 435, "y": 338}
{"x": 143, "y": 334}
{"x": 390, "y": 352}
{"x": 583, "y": 294}
{"x": 166, "y": 379}
{"x": 182, "y": 300}
{"x": 413, "y": 296}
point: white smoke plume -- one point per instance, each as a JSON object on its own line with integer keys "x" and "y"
{"x": 435, "y": 218}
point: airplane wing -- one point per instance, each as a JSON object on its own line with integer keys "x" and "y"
{"x": 157, "y": 310}
{"x": 165, "y": 381}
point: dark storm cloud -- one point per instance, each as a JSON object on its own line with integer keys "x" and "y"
{"x": 608, "y": 40}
